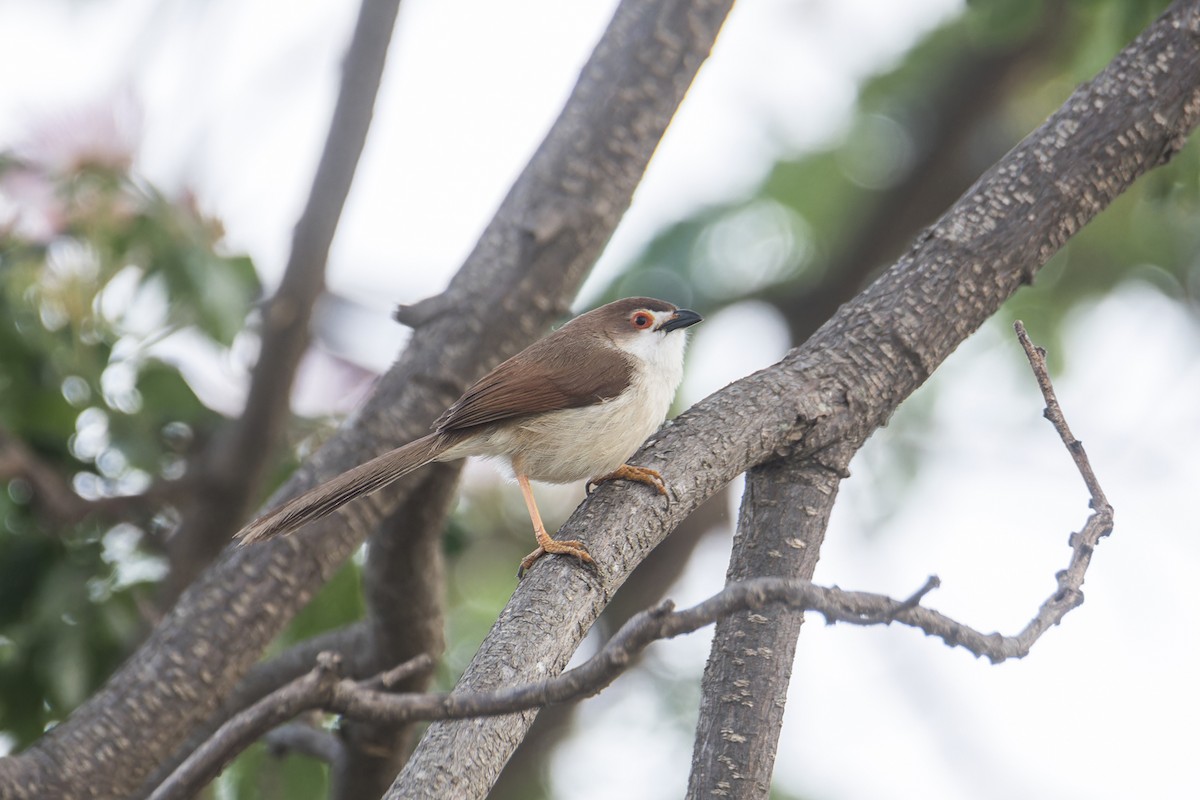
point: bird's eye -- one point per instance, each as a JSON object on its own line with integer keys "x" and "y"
{"x": 641, "y": 320}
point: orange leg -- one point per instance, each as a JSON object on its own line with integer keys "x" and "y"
{"x": 627, "y": 472}
{"x": 545, "y": 543}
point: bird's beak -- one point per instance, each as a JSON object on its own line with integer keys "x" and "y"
{"x": 682, "y": 318}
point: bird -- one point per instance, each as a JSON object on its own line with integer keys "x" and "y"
{"x": 574, "y": 405}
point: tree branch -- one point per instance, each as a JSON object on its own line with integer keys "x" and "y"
{"x": 847, "y": 379}
{"x": 647, "y": 585}
{"x": 232, "y": 469}
{"x": 781, "y": 527}
{"x": 317, "y": 689}
{"x": 1099, "y": 524}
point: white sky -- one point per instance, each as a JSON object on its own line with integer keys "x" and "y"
{"x": 235, "y": 98}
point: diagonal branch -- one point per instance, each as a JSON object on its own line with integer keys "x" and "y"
{"x": 847, "y": 379}
{"x": 232, "y": 469}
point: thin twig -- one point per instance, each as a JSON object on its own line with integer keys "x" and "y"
{"x": 386, "y": 680}
{"x": 1054, "y": 413}
{"x": 1098, "y": 525}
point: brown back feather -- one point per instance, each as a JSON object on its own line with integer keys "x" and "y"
{"x": 553, "y": 374}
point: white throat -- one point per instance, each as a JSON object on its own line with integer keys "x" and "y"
{"x": 659, "y": 372}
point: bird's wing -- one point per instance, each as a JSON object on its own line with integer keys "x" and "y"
{"x": 548, "y": 376}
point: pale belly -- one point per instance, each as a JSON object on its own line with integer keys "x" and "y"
{"x": 578, "y": 443}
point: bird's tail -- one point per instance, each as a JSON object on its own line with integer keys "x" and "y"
{"x": 323, "y": 500}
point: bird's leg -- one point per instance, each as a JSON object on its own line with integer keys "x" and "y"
{"x": 628, "y": 472}
{"x": 545, "y": 543}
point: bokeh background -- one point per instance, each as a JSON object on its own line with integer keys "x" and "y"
{"x": 155, "y": 154}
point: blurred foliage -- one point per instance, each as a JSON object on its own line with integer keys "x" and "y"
{"x": 99, "y": 273}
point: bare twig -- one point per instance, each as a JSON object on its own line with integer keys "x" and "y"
{"x": 1053, "y": 412}
{"x": 385, "y": 681}
{"x": 1098, "y": 525}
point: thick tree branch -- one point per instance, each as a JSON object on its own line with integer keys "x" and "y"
{"x": 849, "y": 377}
{"x": 781, "y": 527}
{"x": 522, "y": 775}
{"x": 528, "y": 263}
{"x": 230, "y": 472}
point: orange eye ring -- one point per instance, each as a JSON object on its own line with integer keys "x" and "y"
{"x": 641, "y": 320}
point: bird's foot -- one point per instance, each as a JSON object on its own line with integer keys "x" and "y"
{"x": 628, "y": 472}
{"x": 569, "y": 547}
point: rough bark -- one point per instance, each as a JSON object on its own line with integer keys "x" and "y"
{"x": 848, "y": 378}
{"x": 781, "y": 526}
{"x": 349, "y": 642}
